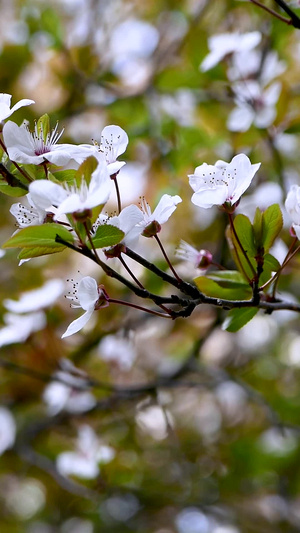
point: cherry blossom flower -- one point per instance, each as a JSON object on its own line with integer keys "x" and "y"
{"x": 292, "y": 205}
{"x": 152, "y": 221}
{"x": 19, "y": 327}
{"x": 200, "y": 258}
{"x": 5, "y": 103}
{"x": 255, "y": 64}
{"x": 88, "y": 296}
{"x": 36, "y": 299}
{"x": 7, "y": 430}
{"x": 254, "y": 105}
{"x": 28, "y": 216}
{"x": 128, "y": 221}
{"x": 69, "y": 390}
{"x": 114, "y": 141}
{"x": 223, "y": 182}
{"x": 70, "y": 198}
{"x": 28, "y": 147}
{"x": 89, "y": 453}
{"x": 59, "y": 396}
{"x": 228, "y": 43}
{"x": 118, "y": 350}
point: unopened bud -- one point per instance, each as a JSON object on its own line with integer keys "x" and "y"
{"x": 204, "y": 259}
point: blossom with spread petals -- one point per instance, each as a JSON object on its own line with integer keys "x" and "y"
{"x": 223, "y": 182}
{"x": 5, "y": 103}
{"x": 128, "y": 221}
{"x": 254, "y": 104}
{"x": 292, "y": 205}
{"x": 28, "y": 216}
{"x": 24, "y": 146}
{"x": 71, "y": 198}
{"x": 89, "y": 453}
{"x": 114, "y": 141}
{"x": 87, "y": 295}
{"x": 228, "y": 43}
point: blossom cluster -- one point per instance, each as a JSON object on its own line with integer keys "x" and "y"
{"x": 76, "y": 204}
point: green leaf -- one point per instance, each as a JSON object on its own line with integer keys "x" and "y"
{"x": 107, "y": 235}
{"x": 37, "y": 251}
{"x": 272, "y": 223}
{"x": 237, "y": 318}
{"x": 211, "y": 288}
{"x": 270, "y": 265}
{"x": 230, "y": 279}
{"x": 245, "y": 233}
{"x": 86, "y": 170}
{"x": 12, "y": 191}
{"x": 67, "y": 176}
{"x": 39, "y": 236}
{"x": 43, "y": 126}
{"x": 257, "y": 227}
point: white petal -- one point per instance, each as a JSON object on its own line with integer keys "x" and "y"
{"x": 21, "y": 103}
{"x": 45, "y": 193}
{"x": 208, "y": 197}
{"x": 36, "y": 299}
{"x": 7, "y": 429}
{"x": 115, "y": 136}
{"x": 129, "y": 217}
{"x": 71, "y": 463}
{"x": 265, "y": 117}
{"x": 19, "y": 144}
{"x": 78, "y": 324}
{"x": 166, "y": 206}
{"x": 240, "y": 119}
{"x": 87, "y": 292}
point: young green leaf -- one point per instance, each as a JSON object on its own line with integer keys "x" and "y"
{"x": 107, "y": 235}
{"x": 86, "y": 170}
{"x": 237, "y": 318}
{"x": 230, "y": 279}
{"x": 39, "y": 236}
{"x": 211, "y": 288}
{"x": 271, "y": 225}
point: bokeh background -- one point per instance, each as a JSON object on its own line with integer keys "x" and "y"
{"x": 199, "y": 431}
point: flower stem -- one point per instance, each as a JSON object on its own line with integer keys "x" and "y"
{"x": 166, "y": 258}
{"x": 272, "y": 12}
{"x": 91, "y": 242}
{"x": 286, "y": 260}
{"x": 130, "y": 272}
{"x": 240, "y": 245}
{"x": 114, "y": 178}
{"x": 139, "y": 307}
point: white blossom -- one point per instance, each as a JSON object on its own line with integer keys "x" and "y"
{"x": 7, "y": 430}
{"x": 223, "y": 182}
{"x": 24, "y": 146}
{"x": 253, "y": 105}
{"x": 228, "y": 43}
{"x": 128, "y": 221}
{"x": 71, "y": 198}
{"x": 28, "y": 216}
{"x": 60, "y": 396}
{"x": 89, "y": 453}
{"x": 114, "y": 141}
{"x": 164, "y": 209}
{"x": 252, "y": 63}
{"x": 19, "y": 327}
{"x": 86, "y": 295}
{"x": 292, "y": 205}
{"x": 5, "y": 103}
{"x": 119, "y": 350}
{"x": 36, "y": 299}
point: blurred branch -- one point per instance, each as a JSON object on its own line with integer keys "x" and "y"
{"x": 294, "y": 20}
